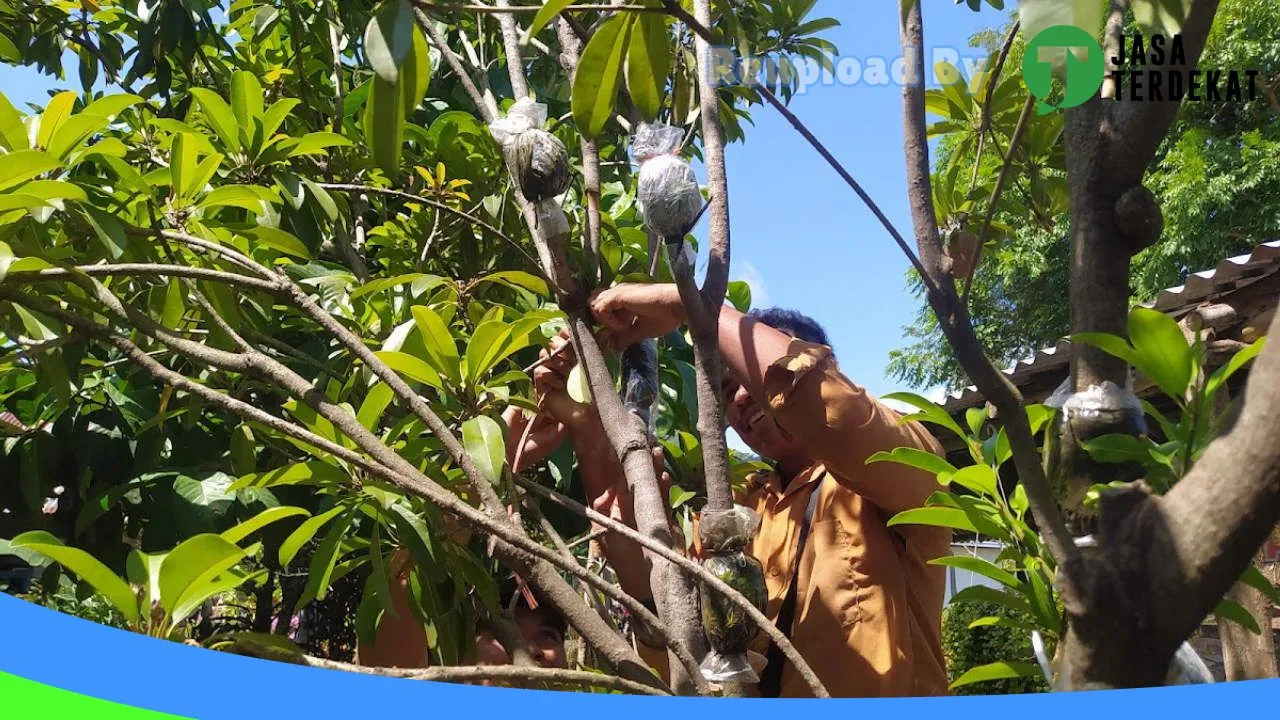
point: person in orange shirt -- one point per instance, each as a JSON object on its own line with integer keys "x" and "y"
{"x": 856, "y": 597}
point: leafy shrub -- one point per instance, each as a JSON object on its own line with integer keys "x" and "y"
{"x": 966, "y": 648}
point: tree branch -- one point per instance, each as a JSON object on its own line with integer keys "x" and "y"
{"x": 693, "y": 569}
{"x": 150, "y": 269}
{"x": 954, "y": 320}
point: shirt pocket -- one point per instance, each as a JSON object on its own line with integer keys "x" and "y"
{"x": 831, "y": 566}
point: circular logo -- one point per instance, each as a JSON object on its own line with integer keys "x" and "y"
{"x": 1058, "y": 47}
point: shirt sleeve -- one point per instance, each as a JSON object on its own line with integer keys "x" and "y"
{"x": 841, "y": 425}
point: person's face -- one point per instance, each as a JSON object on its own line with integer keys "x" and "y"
{"x": 542, "y": 639}
{"x": 755, "y": 426}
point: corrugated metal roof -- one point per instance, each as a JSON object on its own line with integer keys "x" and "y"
{"x": 1230, "y": 274}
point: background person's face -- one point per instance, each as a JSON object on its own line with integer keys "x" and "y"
{"x": 542, "y": 639}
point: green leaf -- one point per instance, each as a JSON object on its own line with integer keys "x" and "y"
{"x": 414, "y": 534}
{"x": 954, "y": 518}
{"x": 518, "y": 279}
{"x": 382, "y": 586}
{"x": 1163, "y": 352}
{"x": 241, "y": 196}
{"x": 375, "y": 403}
{"x": 13, "y": 131}
{"x": 307, "y": 530}
{"x": 219, "y": 116}
{"x": 549, "y": 11}
{"x": 996, "y": 671}
{"x": 320, "y": 573}
{"x": 483, "y": 440}
{"x": 1254, "y": 578}
{"x": 277, "y": 239}
{"x": 1237, "y": 361}
{"x": 316, "y": 142}
{"x": 1236, "y": 613}
{"x": 54, "y": 115}
{"x": 981, "y": 567}
{"x": 916, "y": 458}
{"x": 415, "y": 73}
{"x": 108, "y": 230}
{"x": 595, "y": 85}
{"x": 212, "y": 492}
{"x": 929, "y": 412}
{"x": 109, "y": 106}
{"x": 246, "y": 101}
{"x": 411, "y": 367}
{"x": 23, "y": 165}
{"x": 182, "y": 164}
{"x": 275, "y": 116}
{"x": 375, "y": 286}
{"x": 579, "y": 386}
{"x": 261, "y": 520}
{"x": 173, "y": 306}
{"x": 388, "y": 39}
{"x": 72, "y": 134}
{"x": 196, "y": 560}
{"x": 315, "y": 472}
{"x": 485, "y": 348}
{"x": 384, "y": 125}
{"x": 648, "y": 64}
{"x": 1118, "y": 448}
{"x": 1038, "y": 15}
{"x": 209, "y": 587}
{"x": 87, "y": 567}
{"x": 739, "y": 295}
{"x": 1003, "y": 598}
{"x": 436, "y": 337}
{"x": 143, "y": 571}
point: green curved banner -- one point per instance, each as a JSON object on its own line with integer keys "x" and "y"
{"x": 31, "y": 700}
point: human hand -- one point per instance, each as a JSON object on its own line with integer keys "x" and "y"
{"x": 635, "y": 311}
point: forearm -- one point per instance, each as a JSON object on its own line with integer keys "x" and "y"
{"x": 605, "y": 486}
{"x": 401, "y": 641}
{"x": 749, "y": 347}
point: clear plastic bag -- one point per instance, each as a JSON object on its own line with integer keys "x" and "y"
{"x": 669, "y": 195}
{"x": 538, "y": 158}
{"x": 640, "y": 380}
{"x": 736, "y": 668}
{"x": 727, "y": 530}
{"x": 1107, "y": 405}
{"x": 552, "y": 222}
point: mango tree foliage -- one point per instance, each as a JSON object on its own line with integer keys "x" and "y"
{"x": 330, "y": 142}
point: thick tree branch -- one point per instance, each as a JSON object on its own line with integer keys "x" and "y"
{"x": 511, "y": 47}
{"x": 954, "y": 319}
{"x": 694, "y": 570}
{"x": 571, "y": 49}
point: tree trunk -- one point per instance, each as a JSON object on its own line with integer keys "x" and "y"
{"x": 1246, "y": 656}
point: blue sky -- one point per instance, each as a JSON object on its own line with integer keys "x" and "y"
{"x": 800, "y": 235}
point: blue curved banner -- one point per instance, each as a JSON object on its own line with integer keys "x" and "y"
{"x": 67, "y": 653}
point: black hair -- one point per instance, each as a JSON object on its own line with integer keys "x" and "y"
{"x": 508, "y": 588}
{"x": 793, "y": 323}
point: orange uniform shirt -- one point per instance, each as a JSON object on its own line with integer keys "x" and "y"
{"x": 869, "y": 607}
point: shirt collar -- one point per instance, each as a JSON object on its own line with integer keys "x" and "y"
{"x": 770, "y": 481}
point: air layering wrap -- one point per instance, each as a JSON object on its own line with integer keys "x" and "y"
{"x": 669, "y": 196}
{"x": 537, "y": 158}
{"x": 724, "y": 536}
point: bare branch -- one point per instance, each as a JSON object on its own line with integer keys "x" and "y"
{"x": 996, "y": 192}
{"x": 984, "y": 121}
{"x": 511, "y": 47}
{"x": 150, "y": 269}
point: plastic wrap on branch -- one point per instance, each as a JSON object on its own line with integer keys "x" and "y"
{"x": 669, "y": 195}
{"x": 640, "y": 380}
{"x": 537, "y": 158}
{"x": 724, "y": 536}
{"x": 1105, "y": 409}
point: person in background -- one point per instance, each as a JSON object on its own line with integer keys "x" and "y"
{"x": 856, "y": 597}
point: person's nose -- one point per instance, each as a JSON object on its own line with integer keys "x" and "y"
{"x": 740, "y": 401}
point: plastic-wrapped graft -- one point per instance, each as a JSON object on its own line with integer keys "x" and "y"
{"x": 1099, "y": 410}
{"x": 669, "y": 196}
{"x": 729, "y": 630}
{"x": 640, "y": 379}
{"x": 537, "y": 158}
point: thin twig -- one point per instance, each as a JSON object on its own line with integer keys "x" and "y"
{"x": 857, "y": 187}
{"x": 993, "y": 79}
{"x": 502, "y": 9}
{"x": 996, "y": 192}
